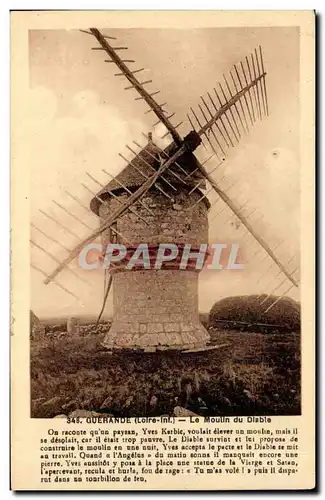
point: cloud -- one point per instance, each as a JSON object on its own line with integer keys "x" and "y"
{"x": 63, "y": 147}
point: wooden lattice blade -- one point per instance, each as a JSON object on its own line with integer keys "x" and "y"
{"x": 209, "y": 119}
{"x": 136, "y": 84}
{"x": 225, "y": 107}
{"x": 234, "y": 105}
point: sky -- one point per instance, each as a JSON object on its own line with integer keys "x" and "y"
{"x": 81, "y": 118}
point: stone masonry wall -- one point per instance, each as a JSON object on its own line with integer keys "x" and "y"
{"x": 174, "y": 221}
{"x": 156, "y": 309}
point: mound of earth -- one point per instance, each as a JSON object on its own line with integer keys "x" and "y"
{"x": 285, "y": 314}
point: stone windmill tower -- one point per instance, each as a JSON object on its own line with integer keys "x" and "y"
{"x": 158, "y": 198}
{"x": 156, "y": 308}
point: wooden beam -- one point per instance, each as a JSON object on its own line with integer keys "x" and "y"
{"x": 246, "y": 223}
{"x": 136, "y": 84}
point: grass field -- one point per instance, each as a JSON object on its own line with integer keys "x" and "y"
{"x": 255, "y": 374}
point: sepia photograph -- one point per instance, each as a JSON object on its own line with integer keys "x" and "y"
{"x": 165, "y": 222}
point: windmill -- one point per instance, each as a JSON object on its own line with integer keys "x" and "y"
{"x": 158, "y": 198}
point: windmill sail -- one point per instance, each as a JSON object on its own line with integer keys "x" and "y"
{"x": 135, "y": 83}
